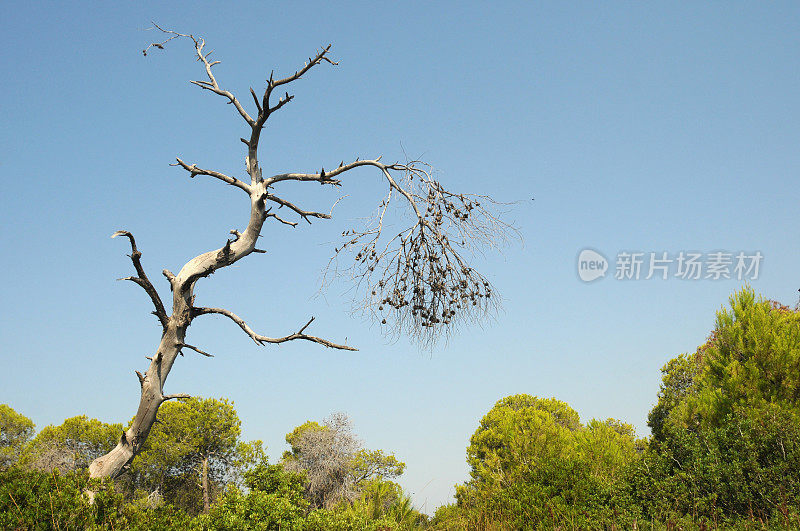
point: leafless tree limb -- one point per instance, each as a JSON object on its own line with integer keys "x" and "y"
{"x": 261, "y": 340}
{"x": 202, "y": 56}
{"x": 264, "y": 109}
{"x": 258, "y": 104}
{"x": 142, "y": 280}
{"x": 191, "y": 347}
{"x": 324, "y": 177}
{"x": 174, "y": 396}
{"x": 270, "y": 214}
{"x": 194, "y": 170}
{"x": 305, "y": 214}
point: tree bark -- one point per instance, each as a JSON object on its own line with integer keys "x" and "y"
{"x": 172, "y": 340}
{"x": 204, "y": 484}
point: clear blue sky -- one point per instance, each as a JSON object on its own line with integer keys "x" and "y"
{"x": 636, "y": 126}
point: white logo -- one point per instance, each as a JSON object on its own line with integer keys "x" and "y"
{"x": 591, "y": 265}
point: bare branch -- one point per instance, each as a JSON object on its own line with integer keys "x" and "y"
{"x": 269, "y": 214}
{"x": 160, "y": 45}
{"x": 258, "y": 103}
{"x": 324, "y": 177}
{"x": 265, "y": 110}
{"x": 321, "y": 56}
{"x": 211, "y": 84}
{"x": 259, "y": 339}
{"x": 142, "y": 279}
{"x": 174, "y": 396}
{"x": 305, "y": 214}
{"x": 281, "y": 102}
{"x": 194, "y": 170}
{"x": 186, "y": 345}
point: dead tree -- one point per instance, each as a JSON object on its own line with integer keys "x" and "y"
{"x": 418, "y": 281}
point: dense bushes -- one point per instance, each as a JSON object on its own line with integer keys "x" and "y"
{"x": 276, "y": 499}
{"x": 48, "y": 500}
{"x": 746, "y": 468}
{"x": 726, "y": 429}
{"x": 34, "y": 499}
{"x": 197, "y": 440}
{"x": 31, "y": 499}
{"x": 534, "y": 463}
{"x": 15, "y": 432}
{"x": 724, "y": 453}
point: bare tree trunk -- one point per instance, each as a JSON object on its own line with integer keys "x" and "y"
{"x": 172, "y": 340}
{"x": 204, "y": 484}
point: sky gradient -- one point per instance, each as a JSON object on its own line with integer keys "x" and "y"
{"x": 636, "y": 127}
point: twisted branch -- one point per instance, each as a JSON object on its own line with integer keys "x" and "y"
{"x": 202, "y": 56}
{"x": 261, "y": 340}
{"x": 270, "y": 214}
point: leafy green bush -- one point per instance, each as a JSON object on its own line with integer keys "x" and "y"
{"x": 255, "y": 510}
{"x": 15, "y": 432}
{"x": 141, "y": 517}
{"x": 71, "y": 446}
{"x": 348, "y": 518}
{"x": 534, "y": 464}
{"x": 50, "y": 500}
{"x": 726, "y": 428}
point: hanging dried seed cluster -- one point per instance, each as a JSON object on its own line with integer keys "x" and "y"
{"x": 428, "y": 286}
{"x": 418, "y": 282}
